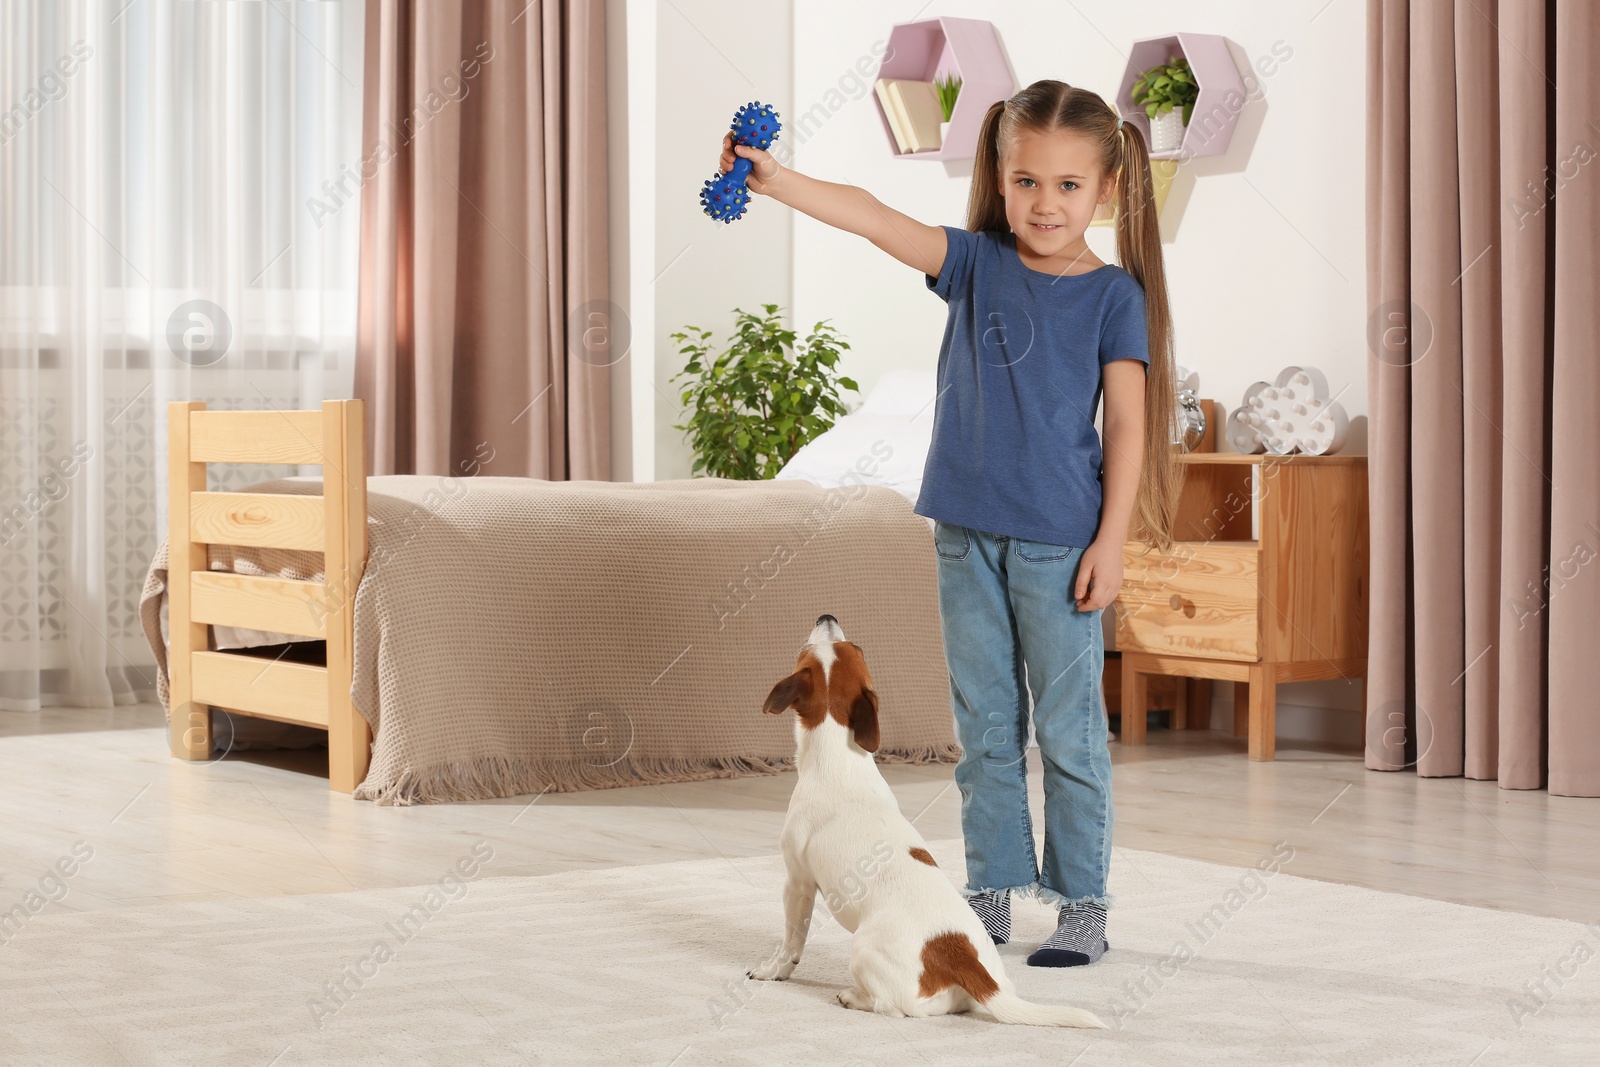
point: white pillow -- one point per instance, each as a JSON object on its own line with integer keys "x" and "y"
{"x": 863, "y": 448}
{"x": 902, "y": 392}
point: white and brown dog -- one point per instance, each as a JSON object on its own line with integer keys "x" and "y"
{"x": 918, "y": 947}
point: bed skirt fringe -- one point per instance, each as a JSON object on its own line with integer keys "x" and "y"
{"x": 498, "y": 777}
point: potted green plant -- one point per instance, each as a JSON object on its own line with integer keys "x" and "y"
{"x": 752, "y": 406}
{"x": 1167, "y": 91}
{"x": 948, "y": 90}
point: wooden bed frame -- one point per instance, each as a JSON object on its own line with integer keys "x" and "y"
{"x": 334, "y": 523}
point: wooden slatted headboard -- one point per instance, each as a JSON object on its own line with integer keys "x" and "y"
{"x": 334, "y": 523}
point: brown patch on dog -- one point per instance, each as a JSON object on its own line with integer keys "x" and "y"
{"x": 799, "y": 691}
{"x": 922, "y": 855}
{"x": 848, "y": 697}
{"x": 853, "y": 702}
{"x": 864, "y": 719}
{"x": 952, "y": 960}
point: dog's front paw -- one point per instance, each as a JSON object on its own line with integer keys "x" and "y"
{"x": 771, "y": 972}
{"x": 773, "y": 969}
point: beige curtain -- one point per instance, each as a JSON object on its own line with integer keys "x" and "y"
{"x": 484, "y": 313}
{"x": 1483, "y": 212}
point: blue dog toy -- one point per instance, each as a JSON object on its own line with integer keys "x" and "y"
{"x": 725, "y": 196}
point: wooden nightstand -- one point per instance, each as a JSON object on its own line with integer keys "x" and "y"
{"x": 1266, "y": 583}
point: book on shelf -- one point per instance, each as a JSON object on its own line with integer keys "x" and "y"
{"x": 913, "y": 111}
{"x": 895, "y": 127}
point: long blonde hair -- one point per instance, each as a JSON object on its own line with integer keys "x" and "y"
{"x": 1050, "y": 105}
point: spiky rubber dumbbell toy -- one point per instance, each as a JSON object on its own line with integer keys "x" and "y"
{"x": 725, "y": 197}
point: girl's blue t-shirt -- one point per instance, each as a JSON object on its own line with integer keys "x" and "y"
{"x": 1014, "y": 448}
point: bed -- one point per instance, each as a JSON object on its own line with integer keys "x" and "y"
{"x": 456, "y": 639}
{"x": 883, "y": 442}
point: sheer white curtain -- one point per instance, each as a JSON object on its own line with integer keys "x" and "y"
{"x": 179, "y": 201}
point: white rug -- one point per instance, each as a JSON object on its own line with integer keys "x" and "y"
{"x": 646, "y": 965}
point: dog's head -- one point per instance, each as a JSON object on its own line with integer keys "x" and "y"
{"x": 830, "y": 682}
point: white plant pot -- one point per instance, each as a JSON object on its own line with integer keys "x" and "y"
{"x": 1166, "y": 131}
{"x": 944, "y": 133}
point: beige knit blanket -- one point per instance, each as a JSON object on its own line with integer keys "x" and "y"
{"x": 515, "y": 635}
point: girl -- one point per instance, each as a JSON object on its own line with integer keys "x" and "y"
{"x": 1028, "y": 531}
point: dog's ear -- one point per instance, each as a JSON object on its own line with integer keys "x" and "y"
{"x": 864, "y": 719}
{"x": 789, "y": 693}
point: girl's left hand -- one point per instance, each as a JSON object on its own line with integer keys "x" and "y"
{"x": 1099, "y": 576}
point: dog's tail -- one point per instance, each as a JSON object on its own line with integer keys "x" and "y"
{"x": 952, "y": 959}
{"x": 1010, "y": 1008}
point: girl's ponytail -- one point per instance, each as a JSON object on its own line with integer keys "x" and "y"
{"x": 1139, "y": 250}
{"x": 986, "y": 208}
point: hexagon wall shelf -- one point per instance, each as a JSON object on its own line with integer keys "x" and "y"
{"x": 1162, "y": 173}
{"x": 1216, "y": 108}
{"x": 933, "y": 48}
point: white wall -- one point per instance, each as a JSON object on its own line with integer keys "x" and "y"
{"x": 680, "y": 70}
{"x": 710, "y": 60}
{"x": 1265, "y": 245}
{"x": 1267, "y": 262}
{"x": 1265, "y": 256}
{"x": 619, "y": 170}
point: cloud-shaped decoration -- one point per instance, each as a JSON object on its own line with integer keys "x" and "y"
{"x": 1294, "y": 414}
{"x": 1245, "y": 424}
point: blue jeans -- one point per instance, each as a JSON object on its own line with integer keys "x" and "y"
{"x": 1007, "y": 607}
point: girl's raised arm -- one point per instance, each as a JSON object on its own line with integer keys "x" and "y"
{"x": 846, "y": 207}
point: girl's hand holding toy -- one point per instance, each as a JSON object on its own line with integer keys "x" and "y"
{"x": 745, "y": 166}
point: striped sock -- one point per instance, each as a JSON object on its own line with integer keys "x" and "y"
{"x": 994, "y": 910}
{"x": 1080, "y": 938}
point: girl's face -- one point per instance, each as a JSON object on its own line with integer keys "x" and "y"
{"x": 1052, "y": 184}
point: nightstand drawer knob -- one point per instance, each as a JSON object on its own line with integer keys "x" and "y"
{"x": 1179, "y": 604}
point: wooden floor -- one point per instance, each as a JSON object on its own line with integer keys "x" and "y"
{"x": 263, "y": 825}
